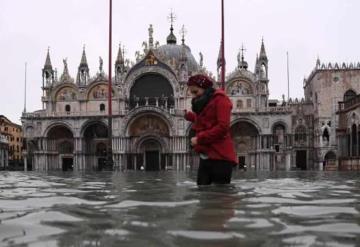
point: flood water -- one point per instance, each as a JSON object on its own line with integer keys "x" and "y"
{"x": 168, "y": 209}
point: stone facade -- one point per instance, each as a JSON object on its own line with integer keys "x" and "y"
{"x": 148, "y": 100}
{"x": 327, "y": 88}
{"x": 13, "y": 133}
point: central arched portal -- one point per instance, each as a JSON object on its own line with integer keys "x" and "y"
{"x": 151, "y": 152}
{"x": 149, "y": 135}
{"x": 245, "y": 136}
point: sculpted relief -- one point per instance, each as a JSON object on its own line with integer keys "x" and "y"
{"x": 150, "y": 125}
{"x": 66, "y": 94}
{"x": 99, "y": 92}
{"x": 239, "y": 88}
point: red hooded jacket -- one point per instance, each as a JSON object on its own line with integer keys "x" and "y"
{"x": 212, "y": 128}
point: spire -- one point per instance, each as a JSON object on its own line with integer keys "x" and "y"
{"x": 257, "y": 69}
{"x": 171, "y": 39}
{"x": 83, "y": 75}
{"x": 83, "y": 58}
{"x": 120, "y": 65}
{"x": 318, "y": 63}
{"x": 48, "y": 61}
{"x": 262, "y": 50}
{"x": 120, "y": 58}
{"x": 47, "y": 71}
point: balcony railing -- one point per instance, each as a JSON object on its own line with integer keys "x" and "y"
{"x": 351, "y": 103}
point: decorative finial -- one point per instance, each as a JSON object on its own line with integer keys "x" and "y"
{"x": 242, "y": 52}
{"x": 172, "y": 18}
{"x": 171, "y": 39}
{"x": 151, "y": 39}
{"x": 183, "y": 32}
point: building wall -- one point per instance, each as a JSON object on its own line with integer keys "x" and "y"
{"x": 13, "y": 134}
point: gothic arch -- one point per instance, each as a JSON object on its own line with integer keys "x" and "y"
{"x": 279, "y": 122}
{"x": 353, "y": 118}
{"x": 243, "y": 81}
{"x": 141, "y": 111}
{"x": 56, "y": 91}
{"x": 56, "y": 124}
{"x": 349, "y": 94}
{"x": 104, "y": 85}
{"x": 330, "y": 155}
{"x": 88, "y": 123}
{"x": 164, "y": 145}
{"x": 247, "y": 120}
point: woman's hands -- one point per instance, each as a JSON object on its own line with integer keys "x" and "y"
{"x": 193, "y": 141}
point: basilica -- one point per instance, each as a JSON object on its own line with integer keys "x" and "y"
{"x": 149, "y": 96}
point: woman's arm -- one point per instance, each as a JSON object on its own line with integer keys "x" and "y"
{"x": 190, "y": 116}
{"x": 217, "y": 132}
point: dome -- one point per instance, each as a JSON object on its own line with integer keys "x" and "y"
{"x": 169, "y": 52}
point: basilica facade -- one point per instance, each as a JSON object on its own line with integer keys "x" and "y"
{"x": 149, "y": 97}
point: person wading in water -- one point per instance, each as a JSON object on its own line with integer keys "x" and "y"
{"x": 210, "y": 131}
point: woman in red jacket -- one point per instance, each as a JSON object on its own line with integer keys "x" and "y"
{"x": 211, "y": 111}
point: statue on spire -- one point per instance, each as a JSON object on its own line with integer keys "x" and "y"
{"x": 101, "y": 65}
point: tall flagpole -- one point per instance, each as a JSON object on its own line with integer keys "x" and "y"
{"x": 222, "y": 47}
{"x": 288, "y": 77}
{"x": 109, "y": 153}
{"x": 25, "y": 90}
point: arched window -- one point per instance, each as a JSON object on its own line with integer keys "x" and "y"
{"x": 300, "y": 134}
{"x": 326, "y": 136}
{"x": 67, "y": 108}
{"x": 263, "y": 71}
{"x": 102, "y": 107}
{"x": 349, "y": 94}
{"x": 239, "y": 104}
{"x": 248, "y": 103}
{"x": 279, "y": 133}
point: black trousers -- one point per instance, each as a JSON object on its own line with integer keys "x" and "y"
{"x": 214, "y": 171}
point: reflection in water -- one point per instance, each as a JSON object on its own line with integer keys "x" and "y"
{"x": 168, "y": 209}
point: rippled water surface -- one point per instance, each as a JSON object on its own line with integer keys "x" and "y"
{"x": 168, "y": 209}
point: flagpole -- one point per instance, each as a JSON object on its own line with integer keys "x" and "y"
{"x": 109, "y": 154}
{"x": 288, "y": 77}
{"x": 222, "y": 47}
{"x": 25, "y": 89}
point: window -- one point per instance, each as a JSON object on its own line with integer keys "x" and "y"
{"x": 102, "y": 107}
{"x": 349, "y": 95}
{"x": 300, "y": 134}
{"x": 67, "y": 108}
{"x": 239, "y": 104}
{"x": 279, "y": 133}
{"x": 248, "y": 103}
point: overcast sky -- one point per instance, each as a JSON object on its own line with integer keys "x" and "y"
{"x": 305, "y": 28}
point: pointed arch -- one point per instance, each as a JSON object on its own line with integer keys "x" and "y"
{"x": 349, "y": 94}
